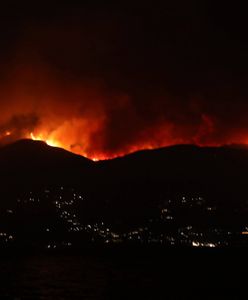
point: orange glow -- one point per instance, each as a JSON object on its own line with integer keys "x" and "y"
{"x": 95, "y": 159}
{"x": 51, "y": 140}
{"x": 48, "y": 140}
{"x": 70, "y": 105}
{"x": 63, "y": 138}
{"x": 90, "y": 120}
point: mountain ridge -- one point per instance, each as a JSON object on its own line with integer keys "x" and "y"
{"x": 166, "y": 190}
{"x": 28, "y": 145}
{"x": 179, "y": 165}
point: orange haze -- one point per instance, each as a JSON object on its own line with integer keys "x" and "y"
{"x": 92, "y": 119}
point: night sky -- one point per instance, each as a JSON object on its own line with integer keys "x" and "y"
{"x": 105, "y": 79}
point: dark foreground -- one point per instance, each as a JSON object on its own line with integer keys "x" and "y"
{"x": 125, "y": 274}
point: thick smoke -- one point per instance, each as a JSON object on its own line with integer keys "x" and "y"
{"x": 91, "y": 119}
{"x": 107, "y": 82}
{"x": 18, "y": 126}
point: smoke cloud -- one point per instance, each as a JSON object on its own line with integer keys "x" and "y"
{"x": 105, "y": 82}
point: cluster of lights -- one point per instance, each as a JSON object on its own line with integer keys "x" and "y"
{"x": 6, "y": 237}
{"x": 66, "y": 200}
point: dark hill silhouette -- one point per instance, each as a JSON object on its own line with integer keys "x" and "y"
{"x": 135, "y": 185}
{"x": 175, "y": 168}
{"x": 24, "y": 151}
{"x": 138, "y": 180}
{"x": 36, "y": 152}
{"x": 27, "y": 163}
{"x": 128, "y": 191}
{"x": 184, "y": 164}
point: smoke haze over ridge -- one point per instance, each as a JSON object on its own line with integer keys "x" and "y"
{"x": 103, "y": 80}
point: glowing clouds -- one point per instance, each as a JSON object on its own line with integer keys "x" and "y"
{"x": 93, "y": 120}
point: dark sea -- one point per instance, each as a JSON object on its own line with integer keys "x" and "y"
{"x": 124, "y": 274}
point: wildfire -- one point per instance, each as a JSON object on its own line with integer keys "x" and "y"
{"x": 82, "y": 141}
{"x": 49, "y": 141}
{"x": 53, "y": 142}
{"x": 5, "y": 134}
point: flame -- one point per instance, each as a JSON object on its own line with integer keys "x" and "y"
{"x": 65, "y": 103}
{"x": 86, "y": 137}
{"x": 63, "y": 140}
{"x": 95, "y": 159}
{"x": 53, "y": 142}
{"x": 48, "y": 140}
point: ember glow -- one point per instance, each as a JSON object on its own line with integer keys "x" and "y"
{"x": 53, "y": 140}
{"x": 100, "y": 122}
{"x": 90, "y": 136}
{"x": 102, "y": 87}
{"x": 49, "y": 141}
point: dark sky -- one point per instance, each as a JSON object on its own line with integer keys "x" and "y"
{"x": 119, "y": 76}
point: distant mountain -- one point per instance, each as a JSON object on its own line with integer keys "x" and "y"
{"x": 183, "y": 168}
{"x": 144, "y": 174}
{"x": 167, "y": 170}
{"x": 164, "y": 191}
{"x": 26, "y": 152}
{"x": 27, "y": 163}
